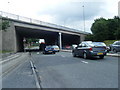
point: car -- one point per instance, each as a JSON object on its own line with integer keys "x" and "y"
{"x": 55, "y": 48}
{"x": 48, "y": 50}
{"x": 108, "y": 49}
{"x": 88, "y": 49}
{"x": 115, "y": 47}
{"x": 74, "y": 46}
{"x": 68, "y": 47}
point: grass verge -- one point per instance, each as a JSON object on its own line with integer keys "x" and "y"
{"x": 108, "y": 42}
{"x": 6, "y": 51}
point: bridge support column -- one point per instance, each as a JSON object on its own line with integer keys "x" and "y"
{"x": 82, "y": 37}
{"x": 60, "y": 40}
{"x": 9, "y": 39}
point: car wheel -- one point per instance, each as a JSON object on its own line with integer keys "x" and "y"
{"x": 53, "y": 52}
{"x": 114, "y": 51}
{"x": 43, "y": 52}
{"x": 85, "y": 55}
{"x": 74, "y": 55}
{"x": 101, "y": 57}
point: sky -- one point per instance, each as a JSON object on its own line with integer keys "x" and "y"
{"x": 69, "y": 13}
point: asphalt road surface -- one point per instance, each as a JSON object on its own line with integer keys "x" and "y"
{"x": 62, "y": 70}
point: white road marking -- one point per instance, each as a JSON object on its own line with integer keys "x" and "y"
{"x": 62, "y": 56}
{"x": 84, "y": 62}
{"x": 9, "y": 56}
{"x": 38, "y": 53}
{"x": 35, "y": 75}
{"x": 9, "y": 59}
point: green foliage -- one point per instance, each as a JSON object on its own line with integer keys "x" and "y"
{"x": 89, "y": 37}
{"x": 30, "y": 40}
{"x": 4, "y": 51}
{"x": 108, "y": 42}
{"x": 103, "y": 29}
{"x": 5, "y": 23}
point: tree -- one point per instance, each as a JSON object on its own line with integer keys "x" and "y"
{"x": 4, "y": 23}
{"x": 32, "y": 40}
{"x": 89, "y": 37}
{"x": 103, "y": 29}
{"x": 98, "y": 29}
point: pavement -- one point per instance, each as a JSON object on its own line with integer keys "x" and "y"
{"x": 10, "y": 62}
{"x": 113, "y": 54}
{"x": 9, "y": 56}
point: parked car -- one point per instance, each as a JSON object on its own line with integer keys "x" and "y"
{"x": 88, "y": 49}
{"x": 56, "y": 48}
{"x": 48, "y": 49}
{"x": 68, "y": 47}
{"x": 74, "y": 46}
{"x": 115, "y": 47}
{"x": 108, "y": 48}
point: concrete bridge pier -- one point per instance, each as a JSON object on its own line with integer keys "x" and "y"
{"x": 60, "y": 40}
{"x": 82, "y": 37}
{"x": 9, "y": 39}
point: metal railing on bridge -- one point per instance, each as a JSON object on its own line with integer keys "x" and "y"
{"x": 34, "y": 21}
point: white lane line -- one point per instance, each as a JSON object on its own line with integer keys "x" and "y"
{"x": 84, "y": 62}
{"x": 9, "y": 59}
{"x": 35, "y": 75}
{"x": 38, "y": 52}
{"x": 62, "y": 56}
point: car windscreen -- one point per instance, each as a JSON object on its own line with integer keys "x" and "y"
{"x": 55, "y": 46}
{"x": 48, "y": 46}
{"x": 117, "y": 43}
{"x": 96, "y": 44}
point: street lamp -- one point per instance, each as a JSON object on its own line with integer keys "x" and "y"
{"x": 83, "y": 18}
{"x": 8, "y": 6}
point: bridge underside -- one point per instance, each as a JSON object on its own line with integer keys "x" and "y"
{"x": 51, "y": 38}
{"x": 12, "y": 38}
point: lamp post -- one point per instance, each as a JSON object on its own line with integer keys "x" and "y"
{"x": 83, "y": 18}
{"x": 8, "y": 6}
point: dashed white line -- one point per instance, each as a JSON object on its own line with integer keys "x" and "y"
{"x": 62, "y": 56}
{"x": 84, "y": 62}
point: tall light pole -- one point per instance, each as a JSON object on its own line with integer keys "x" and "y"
{"x": 83, "y": 18}
{"x": 8, "y": 6}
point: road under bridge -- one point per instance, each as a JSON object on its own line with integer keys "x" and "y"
{"x": 12, "y": 38}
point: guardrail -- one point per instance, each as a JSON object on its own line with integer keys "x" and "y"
{"x": 30, "y": 20}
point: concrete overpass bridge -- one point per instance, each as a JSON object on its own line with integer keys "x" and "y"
{"x": 22, "y": 27}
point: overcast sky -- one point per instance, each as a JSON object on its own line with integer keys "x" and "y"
{"x": 63, "y": 12}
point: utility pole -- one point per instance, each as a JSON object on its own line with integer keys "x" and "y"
{"x": 83, "y": 18}
{"x": 8, "y": 6}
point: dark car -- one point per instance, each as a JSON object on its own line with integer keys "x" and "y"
{"x": 115, "y": 47}
{"x": 88, "y": 49}
{"x": 48, "y": 49}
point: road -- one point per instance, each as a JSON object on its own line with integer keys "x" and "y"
{"x": 61, "y": 70}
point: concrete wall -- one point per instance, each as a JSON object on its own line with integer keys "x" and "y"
{"x": 82, "y": 37}
{"x": 9, "y": 39}
{"x": 0, "y": 40}
{"x": 0, "y": 33}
